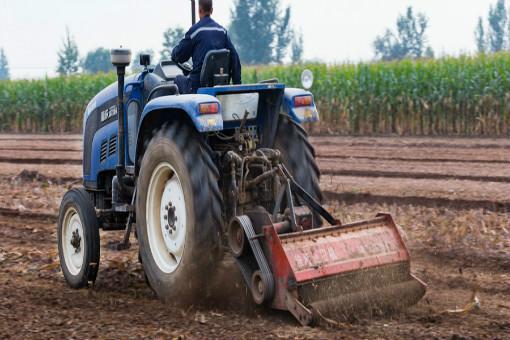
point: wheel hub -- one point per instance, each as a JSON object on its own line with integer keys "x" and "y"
{"x": 72, "y": 239}
{"x": 171, "y": 209}
{"x": 170, "y": 218}
{"x": 76, "y": 240}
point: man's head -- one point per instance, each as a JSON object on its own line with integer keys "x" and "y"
{"x": 205, "y": 8}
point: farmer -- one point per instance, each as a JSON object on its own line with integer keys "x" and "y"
{"x": 206, "y": 35}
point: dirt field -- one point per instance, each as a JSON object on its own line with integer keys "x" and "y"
{"x": 450, "y": 196}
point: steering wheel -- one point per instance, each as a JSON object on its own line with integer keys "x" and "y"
{"x": 185, "y": 67}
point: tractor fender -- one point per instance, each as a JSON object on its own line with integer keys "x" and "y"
{"x": 188, "y": 104}
{"x": 169, "y": 108}
{"x": 300, "y": 115}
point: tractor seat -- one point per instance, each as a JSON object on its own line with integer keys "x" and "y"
{"x": 216, "y": 68}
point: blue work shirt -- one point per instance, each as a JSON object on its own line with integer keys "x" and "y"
{"x": 206, "y": 35}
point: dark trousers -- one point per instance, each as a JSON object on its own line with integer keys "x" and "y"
{"x": 184, "y": 84}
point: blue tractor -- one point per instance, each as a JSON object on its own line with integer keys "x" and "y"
{"x": 228, "y": 167}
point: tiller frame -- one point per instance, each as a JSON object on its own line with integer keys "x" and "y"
{"x": 311, "y": 272}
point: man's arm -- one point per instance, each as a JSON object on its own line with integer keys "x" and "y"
{"x": 182, "y": 52}
{"x": 235, "y": 63}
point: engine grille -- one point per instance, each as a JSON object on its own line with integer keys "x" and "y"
{"x": 112, "y": 149}
{"x": 104, "y": 149}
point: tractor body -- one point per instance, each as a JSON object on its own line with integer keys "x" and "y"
{"x": 147, "y": 109}
{"x": 229, "y": 165}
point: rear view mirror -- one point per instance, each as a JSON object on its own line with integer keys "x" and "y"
{"x": 145, "y": 59}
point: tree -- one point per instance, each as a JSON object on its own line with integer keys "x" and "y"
{"x": 409, "y": 41}
{"x": 260, "y": 30}
{"x": 497, "y": 27}
{"x": 135, "y": 65}
{"x": 68, "y": 56}
{"x": 97, "y": 61}
{"x": 429, "y": 53}
{"x": 4, "y": 66}
{"x": 388, "y": 47}
{"x": 481, "y": 40}
{"x": 297, "y": 48}
{"x": 171, "y": 38}
{"x": 283, "y": 36}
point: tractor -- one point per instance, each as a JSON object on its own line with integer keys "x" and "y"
{"x": 229, "y": 167}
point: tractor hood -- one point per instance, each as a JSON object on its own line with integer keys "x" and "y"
{"x": 105, "y": 99}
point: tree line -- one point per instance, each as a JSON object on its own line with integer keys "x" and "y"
{"x": 260, "y": 29}
{"x": 493, "y": 34}
{"x": 409, "y": 39}
{"x": 263, "y": 33}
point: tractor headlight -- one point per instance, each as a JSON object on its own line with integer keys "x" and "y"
{"x": 307, "y": 79}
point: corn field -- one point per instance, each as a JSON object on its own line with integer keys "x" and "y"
{"x": 450, "y": 96}
{"x": 464, "y": 96}
{"x": 48, "y": 105}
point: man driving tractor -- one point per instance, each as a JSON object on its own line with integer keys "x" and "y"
{"x": 206, "y": 35}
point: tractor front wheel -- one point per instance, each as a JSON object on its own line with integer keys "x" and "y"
{"x": 178, "y": 214}
{"x": 78, "y": 238}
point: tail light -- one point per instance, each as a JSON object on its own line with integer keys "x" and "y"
{"x": 300, "y": 101}
{"x": 209, "y": 108}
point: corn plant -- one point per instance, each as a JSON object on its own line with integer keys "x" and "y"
{"x": 468, "y": 96}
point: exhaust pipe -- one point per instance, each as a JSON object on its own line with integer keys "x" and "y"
{"x": 193, "y": 13}
{"x": 121, "y": 58}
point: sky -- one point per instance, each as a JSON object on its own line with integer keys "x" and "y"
{"x": 334, "y": 31}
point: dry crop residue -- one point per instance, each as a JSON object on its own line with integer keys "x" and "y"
{"x": 458, "y": 232}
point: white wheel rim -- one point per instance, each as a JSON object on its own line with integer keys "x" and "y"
{"x": 166, "y": 218}
{"x": 72, "y": 232}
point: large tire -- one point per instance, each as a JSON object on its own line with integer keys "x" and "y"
{"x": 78, "y": 238}
{"x": 178, "y": 211}
{"x": 298, "y": 156}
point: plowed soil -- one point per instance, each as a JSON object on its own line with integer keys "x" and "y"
{"x": 450, "y": 196}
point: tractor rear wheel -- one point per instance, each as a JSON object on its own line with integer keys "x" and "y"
{"x": 78, "y": 238}
{"x": 178, "y": 211}
{"x": 298, "y": 156}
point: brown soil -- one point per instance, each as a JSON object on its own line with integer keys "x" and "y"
{"x": 458, "y": 232}
{"x": 416, "y": 152}
{"x": 35, "y": 143}
{"x": 412, "y": 141}
{"x": 478, "y": 171}
{"x": 49, "y": 170}
{"x": 41, "y": 137}
{"x": 35, "y": 303}
{"x": 404, "y": 187}
{"x": 43, "y": 155}
{"x": 27, "y": 193}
